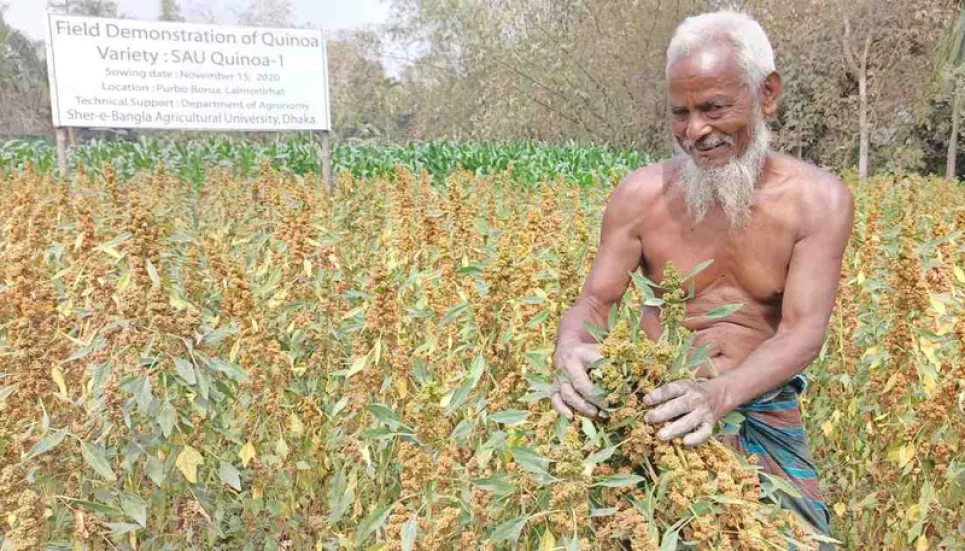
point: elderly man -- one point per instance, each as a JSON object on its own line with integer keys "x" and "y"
{"x": 776, "y": 229}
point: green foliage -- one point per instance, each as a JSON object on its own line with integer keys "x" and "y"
{"x": 191, "y": 159}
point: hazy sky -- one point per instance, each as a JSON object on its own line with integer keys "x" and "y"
{"x": 28, "y": 15}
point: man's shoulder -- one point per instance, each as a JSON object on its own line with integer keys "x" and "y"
{"x": 821, "y": 194}
{"x": 645, "y": 183}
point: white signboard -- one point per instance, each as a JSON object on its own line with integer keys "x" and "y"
{"x": 121, "y": 73}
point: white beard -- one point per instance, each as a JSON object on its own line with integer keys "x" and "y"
{"x": 732, "y": 186}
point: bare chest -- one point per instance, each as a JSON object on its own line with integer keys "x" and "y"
{"x": 747, "y": 265}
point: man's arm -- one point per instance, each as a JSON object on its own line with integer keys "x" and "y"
{"x": 619, "y": 254}
{"x": 809, "y": 296}
{"x": 812, "y": 283}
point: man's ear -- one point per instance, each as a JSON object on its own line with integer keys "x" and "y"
{"x": 771, "y": 92}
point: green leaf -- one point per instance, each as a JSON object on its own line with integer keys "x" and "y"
{"x": 459, "y": 397}
{"x": 204, "y": 383}
{"x": 357, "y": 366}
{"x": 509, "y": 416}
{"x": 152, "y": 272}
{"x": 596, "y": 332}
{"x": 620, "y": 481}
{"x": 653, "y": 302}
{"x": 509, "y": 530}
{"x": 588, "y": 429}
{"x": 234, "y": 371}
{"x": 135, "y": 508}
{"x": 462, "y": 431}
{"x": 723, "y": 311}
{"x": 50, "y": 442}
{"x": 230, "y": 475}
{"x": 166, "y": 418}
{"x": 372, "y": 522}
{"x": 771, "y": 484}
{"x": 384, "y": 414}
{"x": 96, "y": 507}
{"x": 530, "y": 460}
{"x": 99, "y": 378}
{"x": 341, "y": 496}
{"x": 477, "y": 370}
{"x": 600, "y": 456}
{"x": 408, "y": 534}
{"x": 143, "y": 394}
{"x": 499, "y": 485}
{"x": 699, "y": 356}
{"x": 97, "y": 461}
{"x": 669, "y": 542}
{"x": 454, "y": 313}
{"x": 118, "y": 529}
{"x": 155, "y": 470}
{"x": 611, "y": 320}
{"x": 697, "y": 269}
{"x": 636, "y": 276}
{"x": 185, "y": 370}
{"x": 219, "y": 335}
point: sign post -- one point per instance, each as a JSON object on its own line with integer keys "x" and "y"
{"x": 61, "y": 137}
{"x": 326, "y": 162}
{"x": 121, "y": 73}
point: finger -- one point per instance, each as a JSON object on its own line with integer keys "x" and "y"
{"x": 560, "y": 406}
{"x": 682, "y": 426}
{"x": 577, "y": 402}
{"x": 583, "y": 385}
{"x": 671, "y": 410}
{"x": 589, "y": 354}
{"x": 702, "y": 434}
{"x": 664, "y": 393}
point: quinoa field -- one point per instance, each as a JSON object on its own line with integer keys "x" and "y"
{"x": 201, "y": 348}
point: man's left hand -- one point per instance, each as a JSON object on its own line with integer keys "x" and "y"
{"x": 696, "y": 407}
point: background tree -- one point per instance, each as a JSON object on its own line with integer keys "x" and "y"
{"x": 24, "y": 93}
{"x": 878, "y": 45}
{"x": 171, "y": 11}
{"x": 268, "y": 13}
{"x": 951, "y": 68}
{"x": 558, "y": 70}
{"x": 94, "y": 8}
{"x": 365, "y": 102}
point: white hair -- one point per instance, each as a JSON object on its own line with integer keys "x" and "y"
{"x": 731, "y": 186}
{"x": 754, "y": 53}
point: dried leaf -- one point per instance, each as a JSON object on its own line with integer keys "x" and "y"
{"x": 247, "y": 453}
{"x": 188, "y": 461}
{"x": 58, "y": 377}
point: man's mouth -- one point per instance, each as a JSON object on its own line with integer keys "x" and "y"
{"x": 709, "y": 148}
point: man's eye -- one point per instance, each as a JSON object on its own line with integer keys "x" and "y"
{"x": 679, "y": 112}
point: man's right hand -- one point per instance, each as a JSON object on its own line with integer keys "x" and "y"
{"x": 576, "y": 393}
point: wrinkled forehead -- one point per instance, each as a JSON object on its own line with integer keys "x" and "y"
{"x": 713, "y": 68}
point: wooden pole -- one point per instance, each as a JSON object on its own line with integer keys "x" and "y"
{"x": 326, "y": 162}
{"x": 62, "y": 151}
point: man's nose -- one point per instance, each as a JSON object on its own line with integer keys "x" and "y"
{"x": 697, "y": 127}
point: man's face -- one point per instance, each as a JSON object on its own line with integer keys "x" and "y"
{"x": 713, "y": 111}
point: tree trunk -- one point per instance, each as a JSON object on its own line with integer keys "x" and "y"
{"x": 863, "y": 131}
{"x": 951, "y": 166}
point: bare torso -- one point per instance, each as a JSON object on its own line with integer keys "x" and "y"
{"x": 750, "y": 265}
